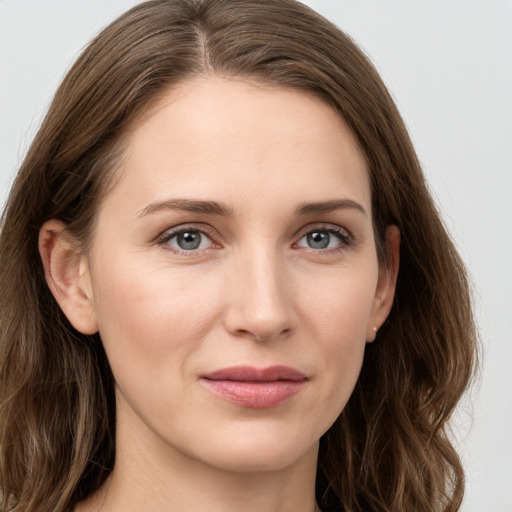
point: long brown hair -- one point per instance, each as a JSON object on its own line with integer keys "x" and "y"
{"x": 389, "y": 450}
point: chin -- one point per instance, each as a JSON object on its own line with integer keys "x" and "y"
{"x": 259, "y": 453}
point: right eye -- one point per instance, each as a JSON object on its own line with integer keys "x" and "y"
{"x": 187, "y": 240}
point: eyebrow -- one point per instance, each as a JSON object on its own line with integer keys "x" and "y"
{"x": 329, "y": 206}
{"x": 187, "y": 205}
{"x": 221, "y": 209}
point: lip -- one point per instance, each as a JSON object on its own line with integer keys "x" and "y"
{"x": 255, "y": 388}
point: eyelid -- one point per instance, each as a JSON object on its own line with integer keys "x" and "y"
{"x": 346, "y": 238}
{"x": 163, "y": 238}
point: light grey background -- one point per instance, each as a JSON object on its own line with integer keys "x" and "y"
{"x": 449, "y": 66}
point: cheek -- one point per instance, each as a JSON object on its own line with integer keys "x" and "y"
{"x": 151, "y": 316}
{"x": 339, "y": 304}
{"x": 339, "y": 313}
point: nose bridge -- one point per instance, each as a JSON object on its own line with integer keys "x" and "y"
{"x": 260, "y": 304}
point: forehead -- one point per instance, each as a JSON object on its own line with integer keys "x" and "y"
{"x": 226, "y": 139}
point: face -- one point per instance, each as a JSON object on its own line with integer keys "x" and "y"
{"x": 233, "y": 275}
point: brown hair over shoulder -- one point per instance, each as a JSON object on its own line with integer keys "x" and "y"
{"x": 389, "y": 449}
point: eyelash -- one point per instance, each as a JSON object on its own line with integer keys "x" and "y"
{"x": 342, "y": 234}
{"x": 345, "y": 238}
{"x": 166, "y": 237}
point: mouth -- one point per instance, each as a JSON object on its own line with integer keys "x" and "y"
{"x": 255, "y": 388}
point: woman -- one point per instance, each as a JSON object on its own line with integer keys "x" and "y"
{"x": 224, "y": 282}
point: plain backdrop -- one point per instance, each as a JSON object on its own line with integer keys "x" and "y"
{"x": 448, "y": 65}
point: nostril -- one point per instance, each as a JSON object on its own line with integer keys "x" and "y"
{"x": 263, "y": 336}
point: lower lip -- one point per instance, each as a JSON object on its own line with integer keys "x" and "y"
{"x": 254, "y": 395}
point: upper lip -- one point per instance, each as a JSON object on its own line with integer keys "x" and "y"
{"x": 251, "y": 374}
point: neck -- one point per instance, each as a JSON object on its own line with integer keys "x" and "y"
{"x": 150, "y": 475}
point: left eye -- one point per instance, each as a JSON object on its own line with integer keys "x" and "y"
{"x": 189, "y": 240}
{"x": 322, "y": 239}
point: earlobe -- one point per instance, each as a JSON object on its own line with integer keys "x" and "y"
{"x": 386, "y": 285}
{"x": 67, "y": 275}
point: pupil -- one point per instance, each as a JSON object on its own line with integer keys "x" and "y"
{"x": 318, "y": 240}
{"x": 189, "y": 241}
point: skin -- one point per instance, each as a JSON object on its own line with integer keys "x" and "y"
{"x": 255, "y": 292}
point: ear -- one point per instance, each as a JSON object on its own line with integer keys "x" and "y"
{"x": 386, "y": 284}
{"x": 67, "y": 273}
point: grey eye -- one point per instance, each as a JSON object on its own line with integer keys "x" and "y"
{"x": 318, "y": 239}
{"x": 328, "y": 238}
{"x": 189, "y": 240}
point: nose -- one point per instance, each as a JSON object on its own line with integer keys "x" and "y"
{"x": 260, "y": 299}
